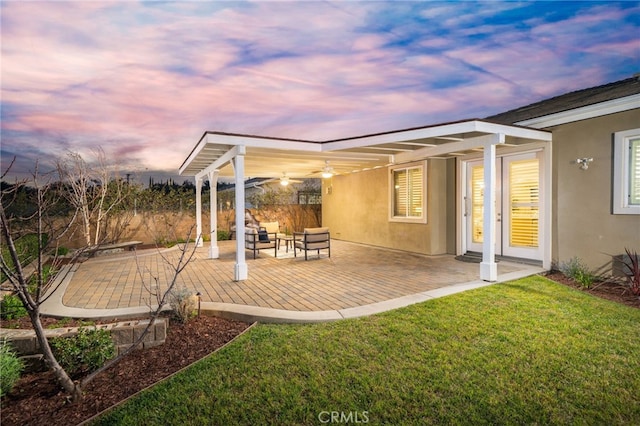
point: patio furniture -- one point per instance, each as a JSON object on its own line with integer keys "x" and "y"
{"x": 272, "y": 228}
{"x": 312, "y": 239}
{"x": 256, "y": 240}
{"x": 288, "y": 241}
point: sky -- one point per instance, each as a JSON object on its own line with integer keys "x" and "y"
{"x": 144, "y": 80}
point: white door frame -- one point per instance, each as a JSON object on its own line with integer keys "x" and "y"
{"x": 545, "y": 237}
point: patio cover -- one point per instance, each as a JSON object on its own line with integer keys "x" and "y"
{"x": 219, "y": 154}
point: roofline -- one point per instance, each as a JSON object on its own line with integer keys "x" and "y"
{"x": 461, "y": 126}
{"x": 583, "y": 113}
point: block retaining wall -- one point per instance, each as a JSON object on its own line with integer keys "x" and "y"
{"x": 123, "y": 334}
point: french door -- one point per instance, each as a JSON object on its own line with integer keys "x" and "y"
{"x": 518, "y": 206}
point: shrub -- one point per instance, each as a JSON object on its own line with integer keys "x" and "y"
{"x": 85, "y": 352}
{"x": 10, "y": 367}
{"x": 633, "y": 271}
{"x": 11, "y": 307}
{"x": 577, "y": 271}
{"x": 183, "y": 303}
{"x": 62, "y": 251}
{"x": 223, "y": 235}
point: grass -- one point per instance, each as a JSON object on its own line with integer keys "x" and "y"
{"x": 525, "y": 352}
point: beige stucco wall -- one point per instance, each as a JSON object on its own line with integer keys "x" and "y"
{"x": 583, "y": 223}
{"x": 356, "y": 208}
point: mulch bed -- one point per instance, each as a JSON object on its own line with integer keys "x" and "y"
{"x": 38, "y": 400}
{"x": 605, "y": 290}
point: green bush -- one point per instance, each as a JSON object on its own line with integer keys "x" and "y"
{"x": 62, "y": 251}
{"x": 10, "y": 367}
{"x": 11, "y": 307}
{"x": 578, "y": 271}
{"x": 85, "y": 352}
{"x": 223, "y": 235}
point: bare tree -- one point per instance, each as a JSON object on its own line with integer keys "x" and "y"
{"x": 20, "y": 279}
{"x": 94, "y": 191}
{"x": 33, "y": 288}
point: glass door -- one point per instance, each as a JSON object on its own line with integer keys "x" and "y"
{"x": 517, "y": 206}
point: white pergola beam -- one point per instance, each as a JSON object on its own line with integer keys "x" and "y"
{"x": 446, "y": 148}
{"x": 220, "y": 162}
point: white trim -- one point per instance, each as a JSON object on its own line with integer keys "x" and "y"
{"x": 590, "y": 111}
{"x": 621, "y": 172}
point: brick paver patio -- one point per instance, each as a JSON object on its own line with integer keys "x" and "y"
{"x": 355, "y": 275}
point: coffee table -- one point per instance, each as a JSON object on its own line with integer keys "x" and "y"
{"x": 288, "y": 241}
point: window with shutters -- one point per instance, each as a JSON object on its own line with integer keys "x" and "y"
{"x": 408, "y": 197}
{"x": 626, "y": 172}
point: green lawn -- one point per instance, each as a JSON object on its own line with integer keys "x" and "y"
{"x": 525, "y": 352}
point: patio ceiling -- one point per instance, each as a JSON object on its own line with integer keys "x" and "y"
{"x": 271, "y": 157}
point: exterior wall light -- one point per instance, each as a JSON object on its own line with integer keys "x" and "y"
{"x": 583, "y": 163}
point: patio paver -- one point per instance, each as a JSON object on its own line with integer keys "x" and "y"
{"x": 356, "y": 279}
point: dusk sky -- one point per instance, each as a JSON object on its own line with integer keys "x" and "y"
{"x": 144, "y": 80}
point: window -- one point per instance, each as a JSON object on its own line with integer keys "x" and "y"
{"x": 626, "y": 172}
{"x": 408, "y": 194}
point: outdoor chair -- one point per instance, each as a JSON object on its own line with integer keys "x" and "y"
{"x": 312, "y": 239}
{"x": 272, "y": 228}
{"x": 256, "y": 240}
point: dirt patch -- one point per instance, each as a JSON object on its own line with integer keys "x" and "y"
{"x": 605, "y": 290}
{"x": 38, "y": 400}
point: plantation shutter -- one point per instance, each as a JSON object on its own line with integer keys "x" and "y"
{"x": 408, "y": 192}
{"x": 415, "y": 192}
{"x": 634, "y": 171}
{"x": 477, "y": 203}
{"x": 524, "y": 203}
{"x": 400, "y": 198}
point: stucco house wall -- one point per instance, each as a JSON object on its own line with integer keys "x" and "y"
{"x": 582, "y": 220}
{"x": 356, "y": 208}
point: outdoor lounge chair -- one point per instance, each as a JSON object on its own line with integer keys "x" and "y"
{"x": 312, "y": 239}
{"x": 256, "y": 240}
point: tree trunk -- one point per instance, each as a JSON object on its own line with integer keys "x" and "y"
{"x": 60, "y": 374}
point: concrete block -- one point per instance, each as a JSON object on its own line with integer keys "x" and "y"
{"x": 153, "y": 344}
{"x": 121, "y": 348}
{"x": 122, "y": 335}
{"x": 160, "y": 330}
{"x": 139, "y": 329}
{"x": 26, "y": 345}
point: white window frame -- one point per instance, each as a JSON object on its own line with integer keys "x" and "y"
{"x": 408, "y": 219}
{"x": 622, "y": 172}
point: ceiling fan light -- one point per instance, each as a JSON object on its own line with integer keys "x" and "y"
{"x": 327, "y": 170}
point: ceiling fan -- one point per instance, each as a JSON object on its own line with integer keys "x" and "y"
{"x": 285, "y": 180}
{"x": 327, "y": 171}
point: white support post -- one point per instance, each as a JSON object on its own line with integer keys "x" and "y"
{"x": 488, "y": 266}
{"x": 241, "y": 271}
{"x": 214, "y": 251}
{"x": 198, "y": 212}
